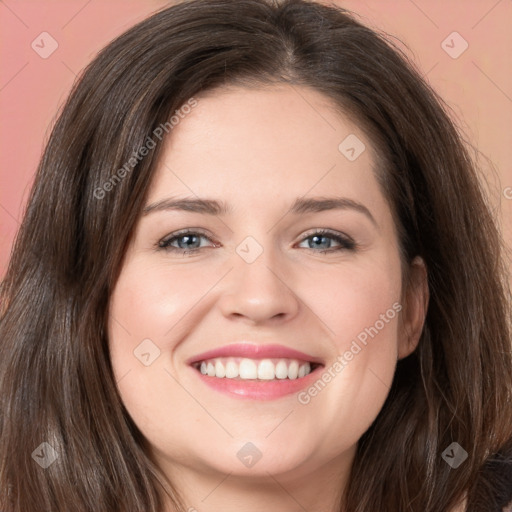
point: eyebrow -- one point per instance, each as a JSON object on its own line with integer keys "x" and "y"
{"x": 300, "y": 206}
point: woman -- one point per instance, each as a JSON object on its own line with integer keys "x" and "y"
{"x": 339, "y": 337}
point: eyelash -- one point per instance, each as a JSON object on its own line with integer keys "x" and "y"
{"x": 346, "y": 243}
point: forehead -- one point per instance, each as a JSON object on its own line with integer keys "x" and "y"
{"x": 254, "y": 146}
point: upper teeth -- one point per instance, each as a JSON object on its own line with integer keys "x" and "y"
{"x": 264, "y": 369}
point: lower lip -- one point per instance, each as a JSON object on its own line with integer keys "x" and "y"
{"x": 259, "y": 389}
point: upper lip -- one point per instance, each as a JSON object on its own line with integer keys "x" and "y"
{"x": 254, "y": 351}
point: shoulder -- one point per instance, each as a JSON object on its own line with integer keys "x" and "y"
{"x": 493, "y": 492}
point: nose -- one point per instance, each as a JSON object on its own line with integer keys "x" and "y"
{"x": 259, "y": 292}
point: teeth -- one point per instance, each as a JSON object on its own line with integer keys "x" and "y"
{"x": 281, "y": 370}
{"x": 263, "y": 369}
{"x": 266, "y": 370}
{"x": 231, "y": 370}
{"x": 248, "y": 369}
{"x": 220, "y": 371}
{"x": 293, "y": 370}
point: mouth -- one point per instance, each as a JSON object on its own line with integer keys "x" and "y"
{"x": 257, "y": 372}
{"x": 255, "y": 369}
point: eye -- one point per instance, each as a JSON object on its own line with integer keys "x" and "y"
{"x": 321, "y": 239}
{"x": 185, "y": 241}
{"x": 188, "y": 241}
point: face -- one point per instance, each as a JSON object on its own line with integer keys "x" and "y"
{"x": 294, "y": 291}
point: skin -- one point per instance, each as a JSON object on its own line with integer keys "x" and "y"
{"x": 258, "y": 150}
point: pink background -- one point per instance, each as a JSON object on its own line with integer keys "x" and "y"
{"x": 477, "y": 85}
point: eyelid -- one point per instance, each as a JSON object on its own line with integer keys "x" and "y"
{"x": 339, "y": 236}
{"x": 325, "y": 231}
{"x": 183, "y": 232}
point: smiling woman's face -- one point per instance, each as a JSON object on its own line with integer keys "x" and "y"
{"x": 261, "y": 277}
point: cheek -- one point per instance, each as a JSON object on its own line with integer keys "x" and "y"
{"x": 146, "y": 310}
{"x": 362, "y": 310}
{"x": 355, "y": 297}
{"x": 149, "y": 303}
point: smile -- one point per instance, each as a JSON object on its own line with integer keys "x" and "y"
{"x": 251, "y": 369}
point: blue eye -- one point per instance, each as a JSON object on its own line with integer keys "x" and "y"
{"x": 320, "y": 237}
{"x": 186, "y": 240}
{"x": 189, "y": 241}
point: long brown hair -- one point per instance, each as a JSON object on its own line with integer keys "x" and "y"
{"x": 56, "y": 380}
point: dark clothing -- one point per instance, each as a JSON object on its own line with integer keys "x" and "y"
{"x": 495, "y": 489}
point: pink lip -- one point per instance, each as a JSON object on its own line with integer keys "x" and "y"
{"x": 257, "y": 389}
{"x": 253, "y": 351}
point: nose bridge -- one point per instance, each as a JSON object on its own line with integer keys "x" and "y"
{"x": 257, "y": 287}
